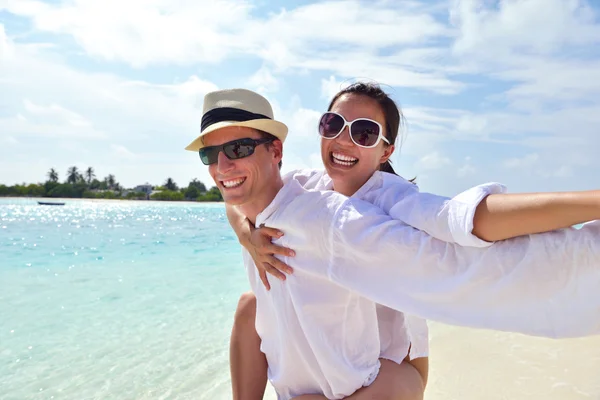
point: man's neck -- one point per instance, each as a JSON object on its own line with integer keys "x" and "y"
{"x": 252, "y": 209}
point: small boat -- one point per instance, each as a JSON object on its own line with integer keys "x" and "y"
{"x": 50, "y": 203}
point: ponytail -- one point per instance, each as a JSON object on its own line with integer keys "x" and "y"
{"x": 387, "y": 167}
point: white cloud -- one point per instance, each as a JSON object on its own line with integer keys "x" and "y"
{"x": 304, "y": 122}
{"x": 564, "y": 171}
{"x": 527, "y": 161}
{"x": 54, "y": 112}
{"x": 122, "y": 152}
{"x": 467, "y": 169}
{"x": 472, "y": 124}
{"x": 331, "y": 86}
{"x": 534, "y": 165}
{"x": 433, "y": 161}
{"x": 263, "y": 81}
{"x": 5, "y": 45}
{"x": 9, "y": 140}
{"x": 143, "y": 33}
{"x": 508, "y": 26}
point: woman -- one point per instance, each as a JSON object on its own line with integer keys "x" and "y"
{"x": 358, "y": 135}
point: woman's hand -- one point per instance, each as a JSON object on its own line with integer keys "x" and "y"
{"x": 263, "y": 253}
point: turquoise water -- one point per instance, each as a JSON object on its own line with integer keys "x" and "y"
{"x": 116, "y": 300}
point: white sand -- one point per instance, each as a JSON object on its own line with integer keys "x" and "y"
{"x": 468, "y": 364}
{"x": 477, "y": 364}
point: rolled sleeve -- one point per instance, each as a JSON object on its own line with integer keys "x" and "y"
{"x": 444, "y": 218}
{"x": 461, "y": 213}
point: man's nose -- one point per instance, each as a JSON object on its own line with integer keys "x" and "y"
{"x": 224, "y": 164}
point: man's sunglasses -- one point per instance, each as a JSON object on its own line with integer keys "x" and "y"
{"x": 364, "y": 132}
{"x": 233, "y": 150}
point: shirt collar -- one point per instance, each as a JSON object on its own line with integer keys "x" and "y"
{"x": 375, "y": 181}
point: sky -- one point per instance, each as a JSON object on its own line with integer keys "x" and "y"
{"x": 492, "y": 91}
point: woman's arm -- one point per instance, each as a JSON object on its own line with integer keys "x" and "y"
{"x": 259, "y": 244}
{"x": 503, "y": 216}
{"x": 482, "y": 214}
{"x": 240, "y": 224}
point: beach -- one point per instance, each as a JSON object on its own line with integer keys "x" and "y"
{"x": 135, "y": 300}
{"x": 477, "y": 364}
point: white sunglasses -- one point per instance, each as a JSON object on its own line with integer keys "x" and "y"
{"x": 364, "y": 132}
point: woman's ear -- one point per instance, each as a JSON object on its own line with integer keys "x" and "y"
{"x": 387, "y": 153}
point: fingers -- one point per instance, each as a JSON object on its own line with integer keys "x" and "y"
{"x": 270, "y": 248}
{"x": 273, "y": 271}
{"x": 263, "y": 277}
{"x": 281, "y": 266}
{"x": 272, "y": 232}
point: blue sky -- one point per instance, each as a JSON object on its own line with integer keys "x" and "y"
{"x": 504, "y": 91}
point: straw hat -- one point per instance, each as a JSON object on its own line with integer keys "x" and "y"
{"x": 237, "y": 107}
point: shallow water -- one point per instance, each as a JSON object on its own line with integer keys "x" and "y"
{"x": 119, "y": 300}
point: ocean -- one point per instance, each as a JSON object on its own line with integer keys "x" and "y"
{"x": 128, "y": 300}
{"x": 116, "y": 300}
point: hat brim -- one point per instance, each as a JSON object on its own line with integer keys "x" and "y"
{"x": 275, "y": 128}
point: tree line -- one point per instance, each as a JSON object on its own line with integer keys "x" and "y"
{"x": 84, "y": 184}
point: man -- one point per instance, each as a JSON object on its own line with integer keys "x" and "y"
{"x": 350, "y": 255}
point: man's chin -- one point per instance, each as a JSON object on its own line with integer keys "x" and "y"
{"x": 234, "y": 200}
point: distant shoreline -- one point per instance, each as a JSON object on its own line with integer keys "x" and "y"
{"x": 97, "y": 200}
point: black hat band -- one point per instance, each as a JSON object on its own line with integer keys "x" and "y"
{"x": 228, "y": 114}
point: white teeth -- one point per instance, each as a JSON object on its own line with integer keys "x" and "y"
{"x": 343, "y": 157}
{"x": 233, "y": 182}
{"x": 347, "y": 164}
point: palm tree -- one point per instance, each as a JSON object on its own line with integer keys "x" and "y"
{"x": 110, "y": 181}
{"x": 198, "y": 185}
{"x": 52, "y": 175}
{"x": 89, "y": 175}
{"x": 170, "y": 185}
{"x": 72, "y": 175}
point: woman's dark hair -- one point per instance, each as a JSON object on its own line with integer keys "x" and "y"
{"x": 393, "y": 115}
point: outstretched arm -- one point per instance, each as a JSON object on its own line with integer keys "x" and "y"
{"x": 503, "y": 216}
{"x": 482, "y": 214}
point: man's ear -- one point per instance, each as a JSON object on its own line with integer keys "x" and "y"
{"x": 277, "y": 148}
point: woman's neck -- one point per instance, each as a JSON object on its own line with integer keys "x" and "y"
{"x": 347, "y": 188}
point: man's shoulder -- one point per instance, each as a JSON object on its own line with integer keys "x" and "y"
{"x": 304, "y": 205}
